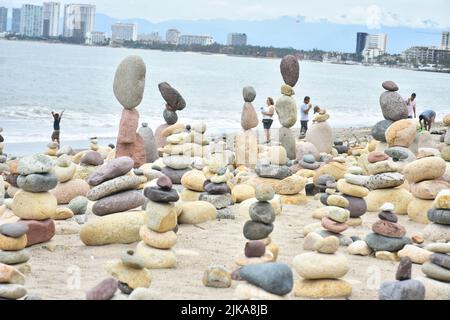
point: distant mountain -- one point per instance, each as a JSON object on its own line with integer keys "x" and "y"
{"x": 285, "y": 32}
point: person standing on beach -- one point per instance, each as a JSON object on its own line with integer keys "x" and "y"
{"x": 411, "y": 104}
{"x": 268, "y": 113}
{"x": 56, "y": 125}
{"x": 304, "y": 115}
{"x": 428, "y": 117}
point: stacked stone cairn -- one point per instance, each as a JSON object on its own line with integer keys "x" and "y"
{"x": 174, "y": 102}
{"x": 388, "y": 235}
{"x": 159, "y": 234}
{"x": 425, "y": 177}
{"x": 438, "y": 268}
{"x": 321, "y": 271}
{"x": 115, "y": 195}
{"x": 129, "y": 83}
{"x": 34, "y": 204}
{"x": 445, "y": 151}
{"x": 246, "y": 145}
{"x": 69, "y": 186}
{"x": 286, "y": 106}
{"x": 265, "y": 281}
{"x": 404, "y": 288}
{"x": 393, "y": 107}
{"x": 218, "y": 193}
{"x": 11, "y": 283}
{"x": 439, "y": 215}
{"x": 386, "y": 184}
{"x": 52, "y": 150}
{"x": 321, "y": 134}
{"x": 257, "y": 230}
{"x": 356, "y": 204}
{"x": 13, "y": 240}
{"x": 340, "y": 147}
{"x": 151, "y": 151}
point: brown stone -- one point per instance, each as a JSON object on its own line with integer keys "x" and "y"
{"x": 128, "y": 126}
{"x": 377, "y": 156}
{"x": 389, "y": 229}
{"x": 249, "y": 118}
{"x": 39, "y": 231}
{"x": 135, "y": 151}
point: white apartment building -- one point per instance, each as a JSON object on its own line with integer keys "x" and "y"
{"x": 31, "y": 20}
{"x": 195, "y": 40}
{"x": 375, "y": 46}
{"x": 95, "y": 37}
{"x": 149, "y": 37}
{"x": 51, "y": 19}
{"x": 124, "y": 32}
{"x": 79, "y": 20}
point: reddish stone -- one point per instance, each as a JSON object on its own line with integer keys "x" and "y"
{"x": 164, "y": 182}
{"x": 255, "y": 249}
{"x": 377, "y": 156}
{"x": 135, "y": 151}
{"x": 39, "y": 231}
{"x": 389, "y": 229}
{"x": 333, "y": 226}
{"x": 128, "y": 126}
{"x": 105, "y": 290}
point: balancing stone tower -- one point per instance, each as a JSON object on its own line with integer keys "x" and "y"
{"x": 247, "y": 142}
{"x": 129, "y": 85}
{"x": 286, "y": 106}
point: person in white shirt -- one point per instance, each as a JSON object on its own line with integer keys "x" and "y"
{"x": 411, "y": 104}
{"x": 268, "y": 111}
{"x": 305, "y": 108}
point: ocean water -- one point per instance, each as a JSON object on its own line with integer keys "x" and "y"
{"x": 36, "y": 78}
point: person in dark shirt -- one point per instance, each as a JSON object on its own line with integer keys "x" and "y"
{"x": 56, "y": 125}
{"x": 428, "y": 117}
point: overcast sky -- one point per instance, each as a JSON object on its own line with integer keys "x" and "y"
{"x": 374, "y": 13}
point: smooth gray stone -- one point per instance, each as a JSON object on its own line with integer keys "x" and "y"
{"x": 37, "y": 182}
{"x": 276, "y": 278}
{"x": 402, "y": 290}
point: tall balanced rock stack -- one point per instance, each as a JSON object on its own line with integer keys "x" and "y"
{"x": 286, "y": 106}
{"x": 34, "y": 204}
{"x": 356, "y": 204}
{"x": 158, "y": 236}
{"x": 247, "y": 142}
{"x": 425, "y": 182}
{"x": 174, "y": 102}
{"x": 52, "y": 149}
{"x": 218, "y": 193}
{"x": 439, "y": 230}
{"x": 386, "y": 184}
{"x": 320, "y": 134}
{"x": 321, "y": 272}
{"x": 393, "y": 107}
{"x": 113, "y": 190}
{"x": 129, "y": 83}
{"x": 388, "y": 234}
{"x": 259, "y": 228}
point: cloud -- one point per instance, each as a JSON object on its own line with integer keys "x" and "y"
{"x": 374, "y": 17}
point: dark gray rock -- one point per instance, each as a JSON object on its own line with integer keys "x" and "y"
{"x": 404, "y": 269}
{"x": 357, "y": 206}
{"x": 157, "y": 194}
{"x": 440, "y": 259}
{"x": 393, "y": 106}
{"x": 174, "y": 175}
{"x": 290, "y": 70}
{"x": 220, "y": 201}
{"x": 170, "y": 117}
{"x": 249, "y": 94}
{"x": 118, "y": 202}
{"x": 397, "y": 153}
{"x": 276, "y": 278}
{"x": 402, "y": 290}
{"x": 381, "y": 243}
{"x": 272, "y": 171}
{"x": 262, "y": 212}
{"x": 257, "y": 230}
{"x": 216, "y": 188}
{"x": 379, "y": 130}
{"x": 78, "y": 205}
{"x": 226, "y": 214}
{"x": 440, "y": 216}
{"x": 38, "y": 182}
{"x": 388, "y": 216}
{"x": 172, "y": 97}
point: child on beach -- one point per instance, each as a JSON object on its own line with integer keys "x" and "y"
{"x": 56, "y": 125}
{"x": 268, "y": 113}
{"x": 428, "y": 117}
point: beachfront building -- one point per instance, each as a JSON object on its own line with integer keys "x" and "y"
{"x": 188, "y": 40}
{"x": 31, "y": 20}
{"x": 445, "y": 42}
{"x": 15, "y": 23}
{"x": 375, "y": 46}
{"x": 149, "y": 37}
{"x": 79, "y": 20}
{"x": 427, "y": 55}
{"x": 124, "y": 32}
{"x": 173, "y": 36}
{"x": 51, "y": 19}
{"x": 96, "y": 38}
{"x": 361, "y": 40}
{"x": 3, "y": 19}
{"x": 237, "y": 39}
